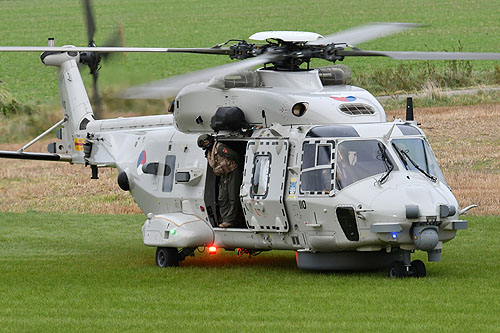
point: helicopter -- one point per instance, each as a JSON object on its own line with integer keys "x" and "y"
{"x": 324, "y": 173}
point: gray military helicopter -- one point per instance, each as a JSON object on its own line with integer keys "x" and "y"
{"x": 324, "y": 173}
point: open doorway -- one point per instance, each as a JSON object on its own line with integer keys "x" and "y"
{"x": 212, "y": 186}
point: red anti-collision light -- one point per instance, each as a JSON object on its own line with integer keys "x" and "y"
{"x": 212, "y": 249}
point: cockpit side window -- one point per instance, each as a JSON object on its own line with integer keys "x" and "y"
{"x": 317, "y": 167}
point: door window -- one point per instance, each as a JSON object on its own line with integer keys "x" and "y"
{"x": 260, "y": 175}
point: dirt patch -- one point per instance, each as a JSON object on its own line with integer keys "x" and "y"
{"x": 59, "y": 187}
{"x": 465, "y": 139}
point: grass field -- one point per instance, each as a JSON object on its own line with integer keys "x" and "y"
{"x": 81, "y": 273}
{"x": 89, "y": 270}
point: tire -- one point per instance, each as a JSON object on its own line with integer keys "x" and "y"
{"x": 167, "y": 257}
{"x": 397, "y": 270}
{"x": 418, "y": 269}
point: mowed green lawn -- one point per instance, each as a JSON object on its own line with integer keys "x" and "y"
{"x": 199, "y": 23}
{"x": 83, "y": 273}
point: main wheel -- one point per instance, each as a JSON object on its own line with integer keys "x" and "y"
{"x": 167, "y": 257}
{"x": 397, "y": 270}
{"x": 418, "y": 268}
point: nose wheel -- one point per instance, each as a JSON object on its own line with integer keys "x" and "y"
{"x": 417, "y": 269}
{"x": 399, "y": 270}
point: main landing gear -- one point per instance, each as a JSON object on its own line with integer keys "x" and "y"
{"x": 416, "y": 269}
{"x": 170, "y": 256}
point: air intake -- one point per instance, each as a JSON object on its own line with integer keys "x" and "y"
{"x": 335, "y": 75}
{"x": 246, "y": 79}
{"x": 357, "y": 109}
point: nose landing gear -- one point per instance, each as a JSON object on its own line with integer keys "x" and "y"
{"x": 416, "y": 269}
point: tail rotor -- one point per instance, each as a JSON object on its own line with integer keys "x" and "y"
{"x": 93, "y": 59}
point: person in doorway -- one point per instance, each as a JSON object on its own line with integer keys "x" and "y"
{"x": 224, "y": 161}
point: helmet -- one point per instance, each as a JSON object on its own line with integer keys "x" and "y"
{"x": 205, "y": 141}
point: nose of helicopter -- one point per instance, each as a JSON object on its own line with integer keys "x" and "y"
{"x": 419, "y": 200}
{"x": 426, "y": 198}
{"x": 423, "y": 204}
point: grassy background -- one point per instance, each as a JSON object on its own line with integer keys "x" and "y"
{"x": 195, "y": 23}
{"x": 74, "y": 272}
{"x": 88, "y": 272}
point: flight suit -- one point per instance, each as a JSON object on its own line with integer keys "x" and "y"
{"x": 223, "y": 161}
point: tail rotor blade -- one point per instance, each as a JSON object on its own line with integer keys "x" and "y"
{"x": 96, "y": 98}
{"x": 89, "y": 15}
{"x": 114, "y": 40}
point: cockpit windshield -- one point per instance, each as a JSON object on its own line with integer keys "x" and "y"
{"x": 359, "y": 159}
{"x": 420, "y": 156}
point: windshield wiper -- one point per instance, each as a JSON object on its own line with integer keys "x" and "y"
{"x": 388, "y": 163}
{"x": 406, "y": 157}
{"x": 401, "y": 156}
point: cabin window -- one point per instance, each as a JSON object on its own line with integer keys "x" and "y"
{"x": 260, "y": 175}
{"x": 360, "y": 159}
{"x": 168, "y": 173}
{"x": 408, "y": 129}
{"x": 332, "y": 131}
{"x": 324, "y": 156}
{"x": 317, "y": 167}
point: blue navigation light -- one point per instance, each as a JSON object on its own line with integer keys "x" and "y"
{"x": 394, "y": 235}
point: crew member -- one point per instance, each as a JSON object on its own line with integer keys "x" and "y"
{"x": 224, "y": 161}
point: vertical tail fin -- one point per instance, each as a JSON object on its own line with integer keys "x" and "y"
{"x": 75, "y": 102}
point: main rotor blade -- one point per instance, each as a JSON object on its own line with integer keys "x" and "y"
{"x": 414, "y": 55}
{"x": 89, "y": 15}
{"x": 222, "y": 50}
{"x": 170, "y": 87}
{"x": 364, "y": 33}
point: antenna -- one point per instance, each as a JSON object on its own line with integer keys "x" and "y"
{"x": 409, "y": 109}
